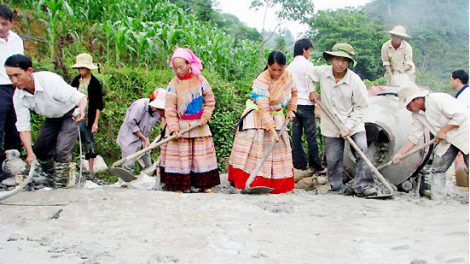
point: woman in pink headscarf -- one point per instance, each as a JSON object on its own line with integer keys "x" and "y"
{"x": 189, "y": 160}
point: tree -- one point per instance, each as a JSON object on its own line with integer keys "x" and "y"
{"x": 292, "y": 10}
{"x": 354, "y": 27}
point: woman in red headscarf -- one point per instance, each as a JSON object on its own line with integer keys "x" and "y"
{"x": 189, "y": 160}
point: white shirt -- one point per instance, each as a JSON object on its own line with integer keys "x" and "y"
{"x": 346, "y": 100}
{"x": 299, "y": 68}
{"x": 464, "y": 97}
{"x": 13, "y": 46}
{"x": 442, "y": 109}
{"x": 53, "y": 98}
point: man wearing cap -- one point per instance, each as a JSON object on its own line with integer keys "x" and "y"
{"x": 444, "y": 117}
{"x": 10, "y": 43}
{"x": 47, "y": 94}
{"x": 140, "y": 118}
{"x": 344, "y": 94}
{"x": 305, "y": 117}
{"x": 459, "y": 83}
{"x": 397, "y": 57}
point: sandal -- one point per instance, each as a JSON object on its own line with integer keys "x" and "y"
{"x": 210, "y": 191}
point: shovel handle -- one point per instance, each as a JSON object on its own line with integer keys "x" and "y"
{"x": 271, "y": 147}
{"x": 418, "y": 148}
{"x": 357, "y": 149}
{"x": 153, "y": 145}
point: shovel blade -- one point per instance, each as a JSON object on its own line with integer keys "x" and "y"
{"x": 124, "y": 175}
{"x": 257, "y": 190}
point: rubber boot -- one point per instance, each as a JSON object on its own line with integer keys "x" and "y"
{"x": 61, "y": 174}
{"x": 47, "y": 167}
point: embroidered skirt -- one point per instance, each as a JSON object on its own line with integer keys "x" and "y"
{"x": 249, "y": 148}
{"x": 186, "y": 162}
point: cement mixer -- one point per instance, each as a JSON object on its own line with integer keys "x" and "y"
{"x": 387, "y": 129}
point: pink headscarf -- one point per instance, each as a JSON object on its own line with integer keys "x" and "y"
{"x": 189, "y": 56}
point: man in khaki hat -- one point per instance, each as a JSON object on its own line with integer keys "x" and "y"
{"x": 345, "y": 96}
{"x": 445, "y": 117}
{"x": 397, "y": 57}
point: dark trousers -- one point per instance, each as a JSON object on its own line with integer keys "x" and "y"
{"x": 9, "y": 136}
{"x": 334, "y": 158}
{"x": 88, "y": 140}
{"x": 305, "y": 121}
{"x": 56, "y": 139}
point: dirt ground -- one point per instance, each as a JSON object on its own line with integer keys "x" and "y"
{"x": 117, "y": 225}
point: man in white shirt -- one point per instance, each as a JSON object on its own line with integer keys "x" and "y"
{"x": 444, "y": 117}
{"x": 397, "y": 57}
{"x": 305, "y": 117}
{"x": 459, "y": 83}
{"x": 10, "y": 43}
{"x": 344, "y": 94}
{"x": 47, "y": 94}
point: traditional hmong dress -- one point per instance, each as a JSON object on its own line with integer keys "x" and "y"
{"x": 264, "y": 111}
{"x": 189, "y": 160}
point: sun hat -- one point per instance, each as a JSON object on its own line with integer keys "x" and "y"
{"x": 159, "y": 101}
{"x": 84, "y": 60}
{"x": 399, "y": 31}
{"x": 341, "y": 50}
{"x": 409, "y": 91}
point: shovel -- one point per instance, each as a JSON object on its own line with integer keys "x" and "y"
{"x": 126, "y": 176}
{"x": 363, "y": 156}
{"x": 262, "y": 189}
{"x": 418, "y": 148}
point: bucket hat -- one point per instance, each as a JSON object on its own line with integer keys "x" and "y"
{"x": 341, "y": 50}
{"x": 159, "y": 101}
{"x": 399, "y": 31}
{"x": 409, "y": 91}
{"x": 84, "y": 60}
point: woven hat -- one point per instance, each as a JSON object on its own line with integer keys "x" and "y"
{"x": 341, "y": 50}
{"x": 159, "y": 101}
{"x": 84, "y": 60}
{"x": 399, "y": 31}
{"x": 409, "y": 91}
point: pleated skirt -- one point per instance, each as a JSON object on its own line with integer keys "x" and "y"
{"x": 248, "y": 150}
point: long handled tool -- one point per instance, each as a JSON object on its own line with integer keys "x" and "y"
{"x": 126, "y": 176}
{"x": 418, "y": 148}
{"x": 361, "y": 154}
{"x": 262, "y": 189}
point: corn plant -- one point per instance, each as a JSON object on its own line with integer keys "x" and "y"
{"x": 56, "y": 11}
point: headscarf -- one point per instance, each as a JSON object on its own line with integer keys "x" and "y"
{"x": 188, "y": 55}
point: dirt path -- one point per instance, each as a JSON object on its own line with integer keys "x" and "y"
{"x": 110, "y": 225}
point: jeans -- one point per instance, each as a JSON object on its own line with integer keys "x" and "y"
{"x": 88, "y": 140}
{"x": 305, "y": 121}
{"x": 334, "y": 159}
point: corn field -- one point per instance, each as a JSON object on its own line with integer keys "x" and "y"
{"x": 139, "y": 33}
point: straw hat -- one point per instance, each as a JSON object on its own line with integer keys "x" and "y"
{"x": 409, "y": 91}
{"x": 341, "y": 50}
{"x": 159, "y": 101}
{"x": 399, "y": 31}
{"x": 84, "y": 60}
